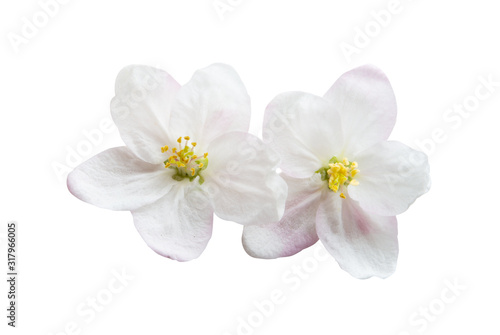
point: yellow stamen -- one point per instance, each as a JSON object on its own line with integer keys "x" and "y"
{"x": 340, "y": 174}
{"x": 184, "y": 161}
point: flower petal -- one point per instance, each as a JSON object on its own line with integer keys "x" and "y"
{"x": 363, "y": 244}
{"x": 116, "y": 179}
{"x": 305, "y": 130}
{"x": 366, "y": 103}
{"x": 212, "y": 103}
{"x": 392, "y": 176}
{"x": 296, "y": 230}
{"x": 241, "y": 180}
{"x": 179, "y": 225}
{"x": 141, "y": 109}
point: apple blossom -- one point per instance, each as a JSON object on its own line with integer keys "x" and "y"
{"x": 346, "y": 182}
{"x": 187, "y": 156}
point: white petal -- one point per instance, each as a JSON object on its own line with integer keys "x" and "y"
{"x": 141, "y": 109}
{"x": 305, "y": 130}
{"x": 179, "y": 225}
{"x": 392, "y": 176}
{"x": 363, "y": 244}
{"x": 296, "y": 230}
{"x": 116, "y": 179}
{"x": 212, "y": 103}
{"x": 241, "y": 180}
{"x": 365, "y": 100}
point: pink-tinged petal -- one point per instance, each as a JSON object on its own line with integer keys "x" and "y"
{"x": 296, "y": 230}
{"x": 367, "y": 105}
{"x": 212, "y": 103}
{"x": 116, "y": 179}
{"x": 241, "y": 180}
{"x": 392, "y": 176}
{"x": 141, "y": 109}
{"x": 179, "y": 225}
{"x": 305, "y": 130}
{"x": 362, "y": 243}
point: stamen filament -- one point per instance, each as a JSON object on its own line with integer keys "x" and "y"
{"x": 339, "y": 174}
{"x": 184, "y": 161}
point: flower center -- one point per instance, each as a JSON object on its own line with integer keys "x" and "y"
{"x": 184, "y": 161}
{"x": 339, "y": 174}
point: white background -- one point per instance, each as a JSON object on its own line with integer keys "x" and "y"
{"x": 59, "y": 83}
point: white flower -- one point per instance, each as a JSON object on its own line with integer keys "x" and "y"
{"x": 346, "y": 182}
{"x": 187, "y": 155}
